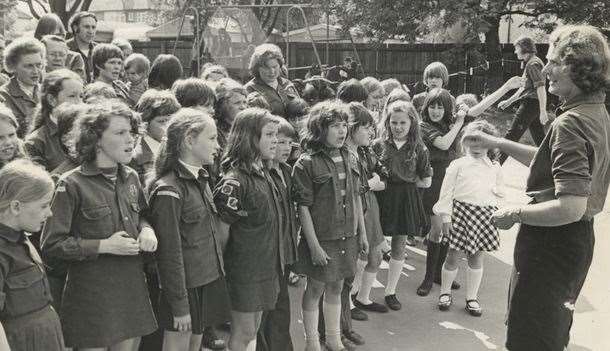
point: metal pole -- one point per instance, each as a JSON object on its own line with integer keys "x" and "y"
{"x": 313, "y": 44}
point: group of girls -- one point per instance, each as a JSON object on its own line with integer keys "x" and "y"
{"x": 195, "y": 217}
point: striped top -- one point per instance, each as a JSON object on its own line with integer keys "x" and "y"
{"x": 340, "y": 165}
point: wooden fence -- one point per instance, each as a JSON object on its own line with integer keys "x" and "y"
{"x": 406, "y": 62}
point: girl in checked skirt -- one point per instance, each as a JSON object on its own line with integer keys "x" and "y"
{"x": 469, "y": 196}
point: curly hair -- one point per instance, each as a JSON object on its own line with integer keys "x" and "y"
{"x": 321, "y": 116}
{"x": 154, "y": 103}
{"x": 91, "y": 124}
{"x": 526, "y": 44}
{"x": 585, "y": 51}
{"x": 242, "y": 148}
{"x": 359, "y": 116}
{"x": 96, "y": 91}
{"x": 19, "y": 48}
{"x": 225, "y": 88}
{"x": 262, "y": 54}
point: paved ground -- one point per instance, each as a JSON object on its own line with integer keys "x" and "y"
{"x": 419, "y": 326}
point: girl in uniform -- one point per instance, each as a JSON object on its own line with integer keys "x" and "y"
{"x": 405, "y": 157}
{"x": 100, "y": 229}
{"x": 189, "y": 257}
{"x": 10, "y": 146}
{"x": 248, "y": 202}
{"x": 330, "y": 212}
{"x": 439, "y": 132}
{"x": 42, "y": 145}
{"x": 27, "y": 320}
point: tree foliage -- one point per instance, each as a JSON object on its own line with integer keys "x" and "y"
{"x": 412, "y": 20}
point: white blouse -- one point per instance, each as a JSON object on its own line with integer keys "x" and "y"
{"x": 477, "y": 181}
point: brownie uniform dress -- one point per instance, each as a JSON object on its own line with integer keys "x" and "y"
{"x": 402, "y": 210}
{"x": 323, "y": 181}
{"x": 189, "y": 255}
{"x": 439, "y": 161}
{"x": 105, "y": 299}
{"x": 370, "y": 206}
{"x": 29, "y": 321}
{"x": 248, "y": 201}
{"x": 469, "y": 203}
{"x": 44, "y": 147}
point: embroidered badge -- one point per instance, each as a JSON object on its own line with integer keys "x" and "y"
{"x": 133, "y": 191}
{"x": 232, "y": 203}
{"x": 226, "y": 189}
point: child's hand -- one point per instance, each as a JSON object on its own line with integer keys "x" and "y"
{"x": 182, "y": 324}
{"x": 504, "y": 104}
{"x": 319, "y": 256}
{"x": 147, "y": 240}
{"x": 375, "y": 183}
{"x": 121, "y": 244}
{"x": 446, "y": 228}
{"x": 460, "y": 116}
{"x": 505, "y": 218}
{"x": 364, "y": 244}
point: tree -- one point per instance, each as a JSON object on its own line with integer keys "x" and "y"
{"x": 383, "y": 19}
{"x": 62, "y": 8}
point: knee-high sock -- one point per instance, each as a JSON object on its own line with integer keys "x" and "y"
{"x": 310, "y": 323}
{"x": 393, "y": 276}
{"x": 473, "y": 282}
{"x": 447, "y": 278}
{"x": 364, "y": 294}
{"x": 332, "y": 316}
{"x": 360, "y": 264}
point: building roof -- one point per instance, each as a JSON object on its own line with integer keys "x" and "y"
{"x": 120, "y": 5}
{"x": 170, "y": 29}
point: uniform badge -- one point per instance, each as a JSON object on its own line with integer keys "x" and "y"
{"x": 232, "y": 203}
{"x": 133, "y": 191}
{"x": 226, "y": 189}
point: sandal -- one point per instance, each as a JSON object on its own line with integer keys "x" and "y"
{"x": 444, "y": 302}
{"x": 474, "y": 308}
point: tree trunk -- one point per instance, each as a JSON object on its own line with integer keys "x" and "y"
{"x": 494, "y": 55}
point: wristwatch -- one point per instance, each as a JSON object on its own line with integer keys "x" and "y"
{"x": 516, "y": 215}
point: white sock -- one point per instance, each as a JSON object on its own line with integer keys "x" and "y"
{"x": 473, "y": 282}
{"x": 332, "y": 316}
{"x": 310, "y": 323}
{"x": 393, "y": 276}
{"x": 251, "y": 346}
{"x": 360, "y": 264}
{"x": 447, "y": 278}
{"x": 364, "y": 294}
{"x": 351, "y": 304}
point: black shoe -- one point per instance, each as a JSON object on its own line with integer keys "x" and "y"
{"x": 372, "y": 307}
{"x": 353, "y": 337}
{"x": 359, "y": 315}
{"x": 347, "y": 344}
{"x": 424, "y": 288}
{"x": 411, "y": 240}
{"x": 392, "y": 302}
{"x": 386, "y": 256}
{"x": 454, "y": 286}
{"x": 211, "y": 340}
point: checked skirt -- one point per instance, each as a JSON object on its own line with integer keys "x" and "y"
{"x": 472, "y": 229}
